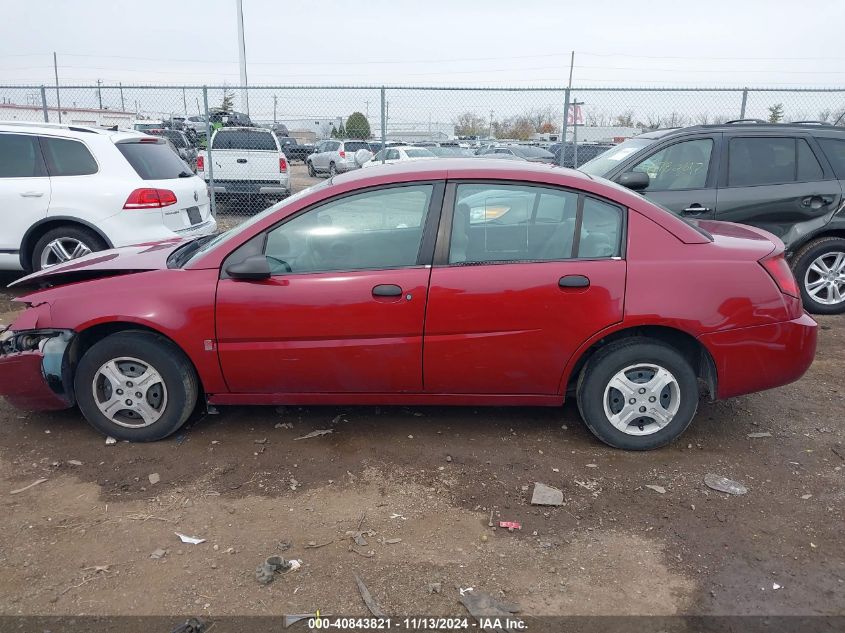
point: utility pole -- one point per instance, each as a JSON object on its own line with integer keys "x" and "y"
{"x": 199, "y": 109}
{"x": 275, "y": 103}
{"x": 242, "y": 55}
{"x": 99, "y": 94}
{"x": 566, "y": 109}
{"x": 575, "y": 105}
{"x": 184, "y": 101}
{"x": 367, "y": 103}
{"x": 490, "y": 133}
{"x": 58, "y": 99}
{"x": 122, "y": 104}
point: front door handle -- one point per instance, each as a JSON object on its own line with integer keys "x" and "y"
{"x": 573, "y": 281}
{"x": 32, "y": 194}
{"x": 387, "y": 290}
{"x": 696, "y": 209}
{"x": 242, "y": 160}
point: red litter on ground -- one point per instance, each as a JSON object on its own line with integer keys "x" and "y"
{"x": 511, "y": 525}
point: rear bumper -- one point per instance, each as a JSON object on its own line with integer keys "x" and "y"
{"x": 39, "y": 380}
{"x": 245, "y": 187}
{"x": 761, "y": 357}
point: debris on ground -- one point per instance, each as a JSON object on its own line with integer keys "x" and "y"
{"x": 807, "y": 496}
{"x": 315, "y": 544}
{"x": 510, "y": 525}
{"x": 723, "y": 484}
{"x": 359, "y": 536}
{"x": 391, "y": 541}
{"x": 283, "y": 546}
{"x": 263, "y": 440}
{"x": 192, "y": 540}
{"x": 545, "y": 495}
{"x": 32, "y": 485}
{"x": 154, "y": 478}
{"x": 316, "y": 433}
{"x": 158, "y": 553}
{"x": 74, "y": 462}
{"x": 775, "y": 586}
{"x": 754, "y": 436}
{"x": 490, "y": 522}
{"x": 464, "y": 590}
{"x": 372, "y": 605}
{"x": 483, "y": 606}
{"x": 838, "y": 450}
{"x": 284, "y": 425}
{"x": 266, "y": 572}
{"x": 192, "y": 625}
{"x": 434, "y": 587}
{"x": 110, "y": 440}
{"x": 398, "y": 516}
{"x": 658, "y": 489}
{"x": 590, "y": 485}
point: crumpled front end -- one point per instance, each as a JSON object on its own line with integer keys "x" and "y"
{"x": 35, "y": 368}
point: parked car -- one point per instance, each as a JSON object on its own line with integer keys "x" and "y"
{"x": 376, "y": 146}
{"x": 400, "y": 154}
{"x": 67, "y": 191}
{"x": 394, "y": 285}
{"x": 293, "y": 150}
{"x": 334, "y": 157}
{"x": 451, "y": 151}
{"x": 248, "y": 163}
{"x": 785, "y": 178}
{"x": 530, "y": 153}
{"x": 196, "y": 123}
{"x": 586, "y": 152}
{"x": 181, "y": 145}
{"x": 221, "y": 118}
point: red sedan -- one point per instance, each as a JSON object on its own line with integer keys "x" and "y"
{"x": 465, "y": 282}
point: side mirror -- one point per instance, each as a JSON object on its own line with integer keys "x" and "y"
{"x": 362, "y": 156}
{"x": 254, "y": 268}
{"x": 635, "y": 180}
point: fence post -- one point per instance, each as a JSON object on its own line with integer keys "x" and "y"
{"x": 563, "y": 128}
{"x": 383, "y": 126}
{"x": 44, "y": 104}
{"x": 744, "y": 102}
{"x": 210, "y": 167}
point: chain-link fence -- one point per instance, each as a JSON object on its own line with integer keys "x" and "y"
{"x": 300, "y": 134}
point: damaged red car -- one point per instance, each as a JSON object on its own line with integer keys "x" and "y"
{"x": 448, "y": 282}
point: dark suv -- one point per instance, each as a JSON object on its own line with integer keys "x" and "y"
{"x": 785, "y": 178}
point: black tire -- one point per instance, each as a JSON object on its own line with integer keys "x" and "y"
{"x": 311, "y": 171}
{"x": 804, "y": 258}
{"x": 179, "y": 379}
{"x": 612, "y": 359}
{"x": 68, "y": 233}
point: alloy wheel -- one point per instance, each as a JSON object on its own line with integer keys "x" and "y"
{"x": 63, "y": 249}
{"x": 642, "y": 399}
{"x": 824, "y": 280}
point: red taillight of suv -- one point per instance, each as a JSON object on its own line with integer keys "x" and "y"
{"x": 150, "y": 199}
{"x": 779, "y": 270}
{"x": 342, "y": 154}
{"x": 283, "y": 164}
{"x": 200, "y": 163}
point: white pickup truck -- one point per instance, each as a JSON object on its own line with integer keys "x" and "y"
{"x": 247, "y": 162}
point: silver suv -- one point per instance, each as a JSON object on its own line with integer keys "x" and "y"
{"x": 334, "y": 157}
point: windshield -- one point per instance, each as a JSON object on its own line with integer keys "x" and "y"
{"x": 605, "y": 162}
{"x": 232, "y": 233}
{"x": 176, "y": 138}
{"x": 532, "y": 152}
{"x": 420, "y": 152}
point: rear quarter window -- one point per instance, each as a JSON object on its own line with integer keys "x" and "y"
{"x": 834, "y": 149}
{"x": 245, "y": 139}
{"x": 153, "y": 161}
{"x": 66, "y": 157}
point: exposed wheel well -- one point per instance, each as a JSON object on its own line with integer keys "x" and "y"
{"x": 698, "y": 356}
{"x": 795, "y": 251}
{"x": 37, "y": 232}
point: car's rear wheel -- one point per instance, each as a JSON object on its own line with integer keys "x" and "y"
{"x": 63, "y": 244}
{"x": 819, "y": 268}
{"x": 311, "y": 170}
{"x": 135, "y": 386}
{"x": 637, "y": 394}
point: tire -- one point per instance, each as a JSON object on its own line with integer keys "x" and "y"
{"x": 806, "y": 265}
{"x": 332, "y": 170}
{"x": 638, "y": 358}
{"x": 168, "y": 402}
{"x": 72, "y": 239}
{"x": 311, "y": 171}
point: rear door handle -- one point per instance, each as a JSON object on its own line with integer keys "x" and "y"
{"x": 387, "y": 290}
{"x": 696, "y": 209}
{"x": 32, "y": 194}
{"x": 816, "y": 201}
{"x": 573, "y": 281}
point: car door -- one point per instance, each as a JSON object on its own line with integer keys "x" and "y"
{"x": 781, "y": 183}
{"x": 343, "y": 311}
{"x": 525, "y": 275}
{"x": 392, "y": 156}
{"x": 24, "y": 191}
{"x": 683, "y": 175}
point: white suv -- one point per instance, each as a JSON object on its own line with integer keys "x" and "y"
{"x": 66, "y": 191}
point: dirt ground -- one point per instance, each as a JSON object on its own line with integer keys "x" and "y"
{"x": 81, "y": 541}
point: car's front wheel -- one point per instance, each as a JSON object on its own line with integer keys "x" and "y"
{"x": 819, "y": 268}
{"x": 135, "y": 386}
{"x": 62, "y": 244}
{"x": 637, "y": 394}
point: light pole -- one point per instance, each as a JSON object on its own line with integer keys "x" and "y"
{"x": 242, "y": 55}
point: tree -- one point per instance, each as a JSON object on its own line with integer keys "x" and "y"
{"x": 357, "y": 126}
{"x": 625, "y": 119}
{"x": 228, "y": 103}
{"x": 334, "y": 132}
{"x": 470, "y": 124}
{"x": 341, "y": 131}
{"x": 776, "y": 113}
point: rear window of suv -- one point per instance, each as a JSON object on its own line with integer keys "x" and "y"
{"x": 154, "y": 161}
{"x": 245, "y": 139}
{"x": 354, "y": 147}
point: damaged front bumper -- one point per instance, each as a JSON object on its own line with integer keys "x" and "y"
{"x": 35, "y": 368}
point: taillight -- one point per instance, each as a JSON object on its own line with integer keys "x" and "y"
{"x": 283, "y": 164}
{"x": 150, "y": 199}
{"x": 779, "y": 270}
{"x": 342, "y": 154}
{"x": 200, "y": 163}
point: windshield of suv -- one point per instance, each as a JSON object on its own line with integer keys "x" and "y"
{"x": 605, "y": 162}
{"x": 253, "y": 139}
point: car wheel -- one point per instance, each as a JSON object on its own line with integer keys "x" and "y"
{"x": 332, "y": 170}
{"x": 62, "y": 244}
{"x": 637, "y": 394}
{"x": 135, "y": 386}
{"x": 819, "y": 268}
{"x": 311, "y": 171}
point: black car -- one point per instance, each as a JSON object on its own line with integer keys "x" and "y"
{"x": 785, "y": 178}
{"x": 530, "y": 153}
{"x": 293, "y": 150}
{"x": 586, "y": 152}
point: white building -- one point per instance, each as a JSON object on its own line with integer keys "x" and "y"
{"x": 71, "y": 116}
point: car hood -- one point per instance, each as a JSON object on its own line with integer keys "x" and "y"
{"x": 117, "y": 261}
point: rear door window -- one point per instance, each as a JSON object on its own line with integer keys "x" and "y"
{"x": 761, "y": 161}
{"x": 154, "y": 161}
{"x": 20, "y": 156}
{"x": 244, "y": 140}
{"x": 66, "y": 157}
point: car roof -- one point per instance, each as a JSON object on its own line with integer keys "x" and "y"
{"x": 69, "y": 131}
{"x": 747, "y": 125}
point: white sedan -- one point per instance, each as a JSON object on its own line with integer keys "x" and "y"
{"x": 399, "y": 154}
